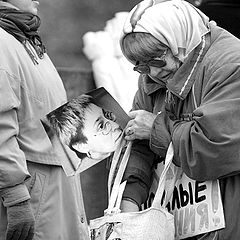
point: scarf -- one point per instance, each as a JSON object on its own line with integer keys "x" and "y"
{"x": 177, "y": 24}
{"x": 23, "y": 26}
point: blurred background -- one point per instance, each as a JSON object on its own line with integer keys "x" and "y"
{"x": 64, "y": 23}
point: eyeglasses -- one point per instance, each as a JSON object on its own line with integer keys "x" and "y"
{"x": 104, "y": 123}
{"x": 106, "y": 128}
{"x": 144, "y": 67}
{"x": 109, "y": 115}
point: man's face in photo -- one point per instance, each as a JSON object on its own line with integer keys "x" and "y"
{"x": 102, "y": 133}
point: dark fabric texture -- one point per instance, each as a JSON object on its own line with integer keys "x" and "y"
{"x": 21, "y": 221}
{"x": 23, "y": 26}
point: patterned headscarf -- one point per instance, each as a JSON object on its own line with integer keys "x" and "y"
{"x": 176, "y": 23}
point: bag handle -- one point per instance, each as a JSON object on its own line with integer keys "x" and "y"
{"x": 162, "y": 181}
{"x": 114, "y": 163}
{"x": 161, "y": 185}
{"x": 116, "y": 185}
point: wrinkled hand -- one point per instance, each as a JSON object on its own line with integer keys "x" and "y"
{"x": 21, "y": 222}
{"x": 139, "y": 127}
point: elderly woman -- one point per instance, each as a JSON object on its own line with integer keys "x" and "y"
{"x": 189, "y": 93}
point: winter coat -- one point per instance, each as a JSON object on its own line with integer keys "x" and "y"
{"x": 29, "y": 166}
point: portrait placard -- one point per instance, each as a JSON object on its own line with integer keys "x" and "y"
{"x": 105, "y": 123}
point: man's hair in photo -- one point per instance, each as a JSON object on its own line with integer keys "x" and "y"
{"x": 68, "y": 120}
{"x": 139, "y": 46}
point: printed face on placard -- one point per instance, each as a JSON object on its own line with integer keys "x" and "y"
{"x": 102, "y": 132}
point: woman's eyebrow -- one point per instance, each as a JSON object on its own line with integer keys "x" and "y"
{"x": 103, "y": 112}
{"x": 96, "y": 122}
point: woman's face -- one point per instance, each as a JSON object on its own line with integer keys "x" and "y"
{"x": 165, "y": 73}
{"x": 103, "y": 134}
{"x": 162, "y": 72}
{"x": 26, "y": 5}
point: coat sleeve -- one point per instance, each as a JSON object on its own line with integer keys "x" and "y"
{"x": 13, "y": 168}
{"x": 141, "y": 161}
{"x": 160, "y": 136}
{"x": 207, "y": 146}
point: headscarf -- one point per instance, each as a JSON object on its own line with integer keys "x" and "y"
{"x": 176, "y": 23}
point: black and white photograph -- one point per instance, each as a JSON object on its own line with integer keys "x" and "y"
{"x": 119, "y": 120}
{"x": 90, "y": 125}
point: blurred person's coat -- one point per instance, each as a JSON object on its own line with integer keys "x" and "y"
{"x": 29, "y": 167}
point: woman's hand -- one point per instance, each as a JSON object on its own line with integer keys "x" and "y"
{"x": 139, "y": 127}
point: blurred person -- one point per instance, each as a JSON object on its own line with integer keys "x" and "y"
{"x": 37, "y": 201}
{"x": 189, "y": 95}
